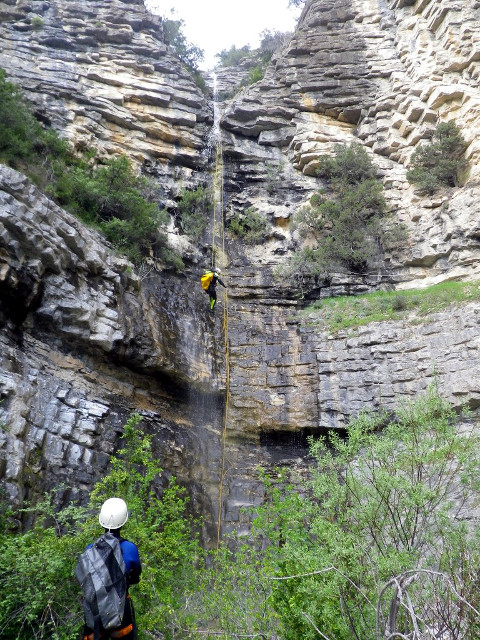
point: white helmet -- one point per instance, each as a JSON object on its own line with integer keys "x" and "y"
{"x": 113, "y": 513}
{"x": 217, "y": 270}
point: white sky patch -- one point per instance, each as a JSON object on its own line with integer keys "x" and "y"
{"x": 214, "y": 25}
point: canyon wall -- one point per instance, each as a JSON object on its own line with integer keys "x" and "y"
{"x": 85, "y": 340}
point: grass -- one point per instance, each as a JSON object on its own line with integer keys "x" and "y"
{"x": 415, "y": 305}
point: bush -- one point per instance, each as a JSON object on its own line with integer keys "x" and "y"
{"x": 250, "y": 226}
{"x": 40, "y": 596}
{"x": 255, "y": 75}
{"x": 344, "y": 226}
{"x": 110, "y": 197}
{"x": 193, "y": 207}
{"x": 36, "y": 23}
{"x": 439, "y": 163}
{"x": 388, "y": 500}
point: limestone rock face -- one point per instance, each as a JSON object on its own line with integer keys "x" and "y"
{"x": 102, "y": 75}
{"x": 383, "y": 73}
{"x": 84, "y": 342}
{"x": 385, "y": 362}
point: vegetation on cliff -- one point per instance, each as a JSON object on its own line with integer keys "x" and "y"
{"x": 377, "y": 541}
{"x": 411, "y": 305}
{"x": 344, "y": 227}
{"x": 249, "y": 226}
{"x": 439, "y": 163}
{"x": 109, "y": 194}
{"x": 259, "y": 58}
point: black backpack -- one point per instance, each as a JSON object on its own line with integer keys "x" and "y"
{"x": 101, "y": 573}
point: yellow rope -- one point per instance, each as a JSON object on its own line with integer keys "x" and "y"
{"x": 219, "y": 191}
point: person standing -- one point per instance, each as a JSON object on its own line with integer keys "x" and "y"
{"x": 113, "y": 515}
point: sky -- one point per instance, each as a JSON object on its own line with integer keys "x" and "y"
{"x": 214, "y": 25}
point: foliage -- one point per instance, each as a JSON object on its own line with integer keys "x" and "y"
{"x": 347, "y": 312}
{"x": 40, "y": 596}
{"x": 389, "y": 497}
{"x": 18, "y": 128}
{"x": 232, "y": 56}
{"x": 36, "y": 22}
{"x": 193, "y": 208}
{"x": 271, "y": 41}
{"x": 254, "y": 75}
{"x": 438, "y": 163}
{"x": 110, "y": 196}
{"x": 173, "y": 36}
{"x": 274, "y": 173}
{"x": 233, "y": 596}
{"x": 250, "y": 226}
{"x": 164, "y": 534}
{"x": 344, "y": 228}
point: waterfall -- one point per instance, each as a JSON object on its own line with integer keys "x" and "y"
{"x": 215, "y": 140}
{"x": 219, "y": 259}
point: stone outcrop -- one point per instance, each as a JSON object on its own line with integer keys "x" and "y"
{"x": 384, "y": 73}
{"x": 101, "y": 74}
{"x": 381, "y": 364}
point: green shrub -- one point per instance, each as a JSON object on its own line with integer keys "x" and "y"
{"x": 40, "y": 596}
{"x": 438, "y": 163}
{"x": 255, "y": 74}
{"x": 274, "y": 176}
{"x": 389, "y": 496}
{"x": 193, "y": 208}
{"x": 36, "y": 23}
{"x": 346, "y": 225}
{"x": 112, "y": 196}
{"x": 250, "y": 226}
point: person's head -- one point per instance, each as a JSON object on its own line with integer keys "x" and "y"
{"x": 113, "y": 514}
{"x": 218, "y": 271}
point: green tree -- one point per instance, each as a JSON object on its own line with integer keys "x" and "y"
{"x": 19, "y": 130}
{"x": 346, "y": 226}
{"x": 388, "y": 499}
{"x": 174, "y": 36}
{"x": 438, "y": 164}
{"x": 232, "y": 56}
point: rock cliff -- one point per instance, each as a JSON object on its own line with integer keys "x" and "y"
{"x": 85, "y": 340}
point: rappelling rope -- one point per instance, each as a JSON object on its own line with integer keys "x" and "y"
{"x": 219, "y": 190}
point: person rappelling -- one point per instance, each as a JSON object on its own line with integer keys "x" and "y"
{"x": 209, "y": 281}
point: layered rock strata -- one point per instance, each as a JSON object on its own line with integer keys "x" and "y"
{"x": 382, "y": 364}
{"x": 384, "y": 73}
{"x": 100, "y": 73}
